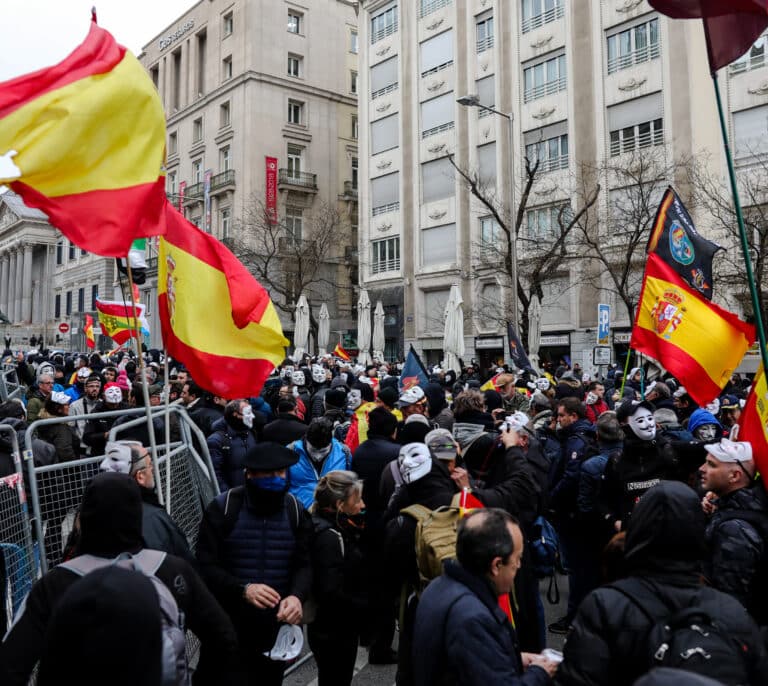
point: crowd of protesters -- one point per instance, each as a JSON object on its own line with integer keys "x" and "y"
{"x": 661, "y": 522}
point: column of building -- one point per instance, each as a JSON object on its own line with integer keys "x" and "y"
{"x": 4, "y": 263}
{"x": 16, "y": 286}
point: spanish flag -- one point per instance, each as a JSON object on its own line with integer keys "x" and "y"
{"x": 118, "y": 320}
{"x": 90, "y": 341}
{"x": 216, "y": 318}
{"x": 753, "y": 423}
{"x": 84, "y": 141}
{"x": 695, "y": 340}
{"x": 339, "y": 352}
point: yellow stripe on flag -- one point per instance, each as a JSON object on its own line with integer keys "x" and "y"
{"x": 97, "y": 135}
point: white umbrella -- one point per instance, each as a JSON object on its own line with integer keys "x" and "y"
{"x": 301, "y": 328}
{"x": 453, "y": 337}
{"x": 363, "y": 327}
{"x": 323, "y": 330}
{"x": 534, "y": 331}
{"x": 378, "y": 333}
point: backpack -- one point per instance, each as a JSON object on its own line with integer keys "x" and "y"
{"x": 174, "y": 659}
{"x": 688, "y": 638}
{"x": 543, "y": 549}
{"x": 435, "y": 539}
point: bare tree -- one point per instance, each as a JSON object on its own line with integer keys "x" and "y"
{"x": 541, "y": 260}
{"x": 289, "y": 258}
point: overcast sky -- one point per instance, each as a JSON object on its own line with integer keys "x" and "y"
{"x": 39, "y": 33}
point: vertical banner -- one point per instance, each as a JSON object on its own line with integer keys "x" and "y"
{"x": 182, "y": 188}
{"x": 603, "y": 324}
{"x": 207, "y": 199}
{"x": 516, "y": 350}
{"x": 271, "y": 189}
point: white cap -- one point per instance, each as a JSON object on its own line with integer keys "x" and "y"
{"x": 414, "y": 462}
{"x": 730, "y": 451}
{"x": 60, "y": 398}
{"x": 680, "y": 392}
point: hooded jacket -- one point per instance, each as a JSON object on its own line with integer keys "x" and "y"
{"x": 304, "y": 475}
{"x": 228, "y": 446}
{"x": 439, "y": 412}
{"x": 110, "y": 521}
{"x": 665, "y": 548}
{"x": 44, "y": 453}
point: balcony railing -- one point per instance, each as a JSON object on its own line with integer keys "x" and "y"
{"x": 226, "y": 178}
{"x": 429, "y": 6}
{"x": 544, "y": 18}
{"x": 196, "y": 190}
{"x": 437, "y": 69}
{"x": 383, "y": 209}
{"x": 288, "y": 177}
{"x": 748, "y": 64}
{"x": 485, "y": 44}
{"x": 643, "y": 140}
{"x": 382, "y": 33}
{"x": 437, "y": 129}
{"x": 553, "y": 164}
{"x": 381, "y": 266}
{"x": 350, "y": 189}
{"x": 649, "y": 52}
{"x": 383, "y": 91}
{"x": 545, "y": 89}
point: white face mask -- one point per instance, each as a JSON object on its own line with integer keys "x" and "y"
{"x": 248, "y": 416}
{"x": 317, "y": 454}
{"x": 705, "y": 432}
{"x": 354, "y": 399}
{"x": 643, "y": 424}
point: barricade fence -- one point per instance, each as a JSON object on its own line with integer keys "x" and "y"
{"x": 9, "y": 383}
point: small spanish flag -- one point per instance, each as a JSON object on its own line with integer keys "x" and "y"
{"x": 694, "y": 339}
{"x": 84, "y": 141}
{"x": 90, "y": 341}
{"x": 339, "y": 352}
{"x": 753, "y": 423}
{"x": 216, "y": 318}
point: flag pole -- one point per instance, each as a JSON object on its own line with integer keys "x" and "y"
{"x": 624, "y": 376}
{"x": 740, "y": 217}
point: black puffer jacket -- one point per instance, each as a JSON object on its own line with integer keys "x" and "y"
{"x": 43, "y": 453}
{"x": 665, "y": 549}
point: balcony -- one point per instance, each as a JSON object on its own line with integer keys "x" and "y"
{"x": 350, "y": 190}
{"x": 223, "y": 182}
{"x": 194, "y": 192}
{"x": 287, "y": 179}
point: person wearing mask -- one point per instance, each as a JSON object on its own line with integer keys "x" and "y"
{"x": 60, "y": 435}
{"x": 595, "y": 401}
{"x": 230, "y": 441}
{"x": 438, "y": 411}
{"x": 318, "y": 453}
{"x": 96, "y": 431}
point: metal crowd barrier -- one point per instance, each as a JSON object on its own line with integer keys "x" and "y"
{"x": 9, "y": 383}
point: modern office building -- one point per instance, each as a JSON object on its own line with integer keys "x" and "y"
{"x": 261, "y": 103}
{"x": 582, "y": 88}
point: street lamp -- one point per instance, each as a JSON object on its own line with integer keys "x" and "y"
{"x": 474, "y": 101}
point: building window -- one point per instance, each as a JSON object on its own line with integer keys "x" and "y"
{"x": 295, "y": 153}
{"x": 83, "y": 252}
{"x": 355, "y": 129}
{"x": 172, "y": 185}
{"x": 293, "y": 223}
{"x": 438, "y": 245}
{"x": 437, "y": 115}
{"x": 436, "y": 53}
{"x": 490, "y": 234}
{"x": 484, "y": 25}
{"x": 384, "y": 78}
{"x": 228, "y": 24}
{"x": 486, "y": 95}
{"x": 197, "y": 130}
{"x": 384, "y": 23}
{"x": 81, "y": 299}
{"x": 544, "y": 78}
{"x": 539, "y": 12}
{"x": 68, "y": 309}
{"x": 94, "y": 295}
{"x": 225, "y": 115}
{"x": 551, "y": 152}
{"x": 57, "y": 305}
{"x": 385, "y": 255}
{"x": 294, "y": 66}
{"x": 637, "y": 136}
{"x": 385, "y": 134}
{"x": 225, "y": 221}
{"x": 353, "y": 44}
{"x": 486, "y": 164}
{"x": 753, "y": 59}
{"x": 226, "y": 68}
{"x": 353, "y": 82}
{"x": 154, "y": 72}
{"x": 173, "y": 143}
{"x": 294, "y": 21}
{"x": 72, "y": 251}
{"x": 197, "y": 171}
{"x": 543, "y": 223}
{"x": 632, "y": 46}
{"x": 295, "y": 112}
{"x": 636, "y": 124}
{"x": 750, "y": 132}
{"x": 385, "y": 194}
{"x": 428, "y": 6}
{"x": 438, "y": 180}
{"x": 60, "y": 251}
{"x": 176, "y": 80}
{"x": 225, "y": 160}
{"x": 355, "y": 175}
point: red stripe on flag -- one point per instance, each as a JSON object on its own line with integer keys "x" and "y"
{"x": 244, "y": 378}
{"x": 95, "y": 221}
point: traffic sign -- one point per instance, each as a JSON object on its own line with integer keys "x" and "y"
{"x": 63, "y": 327}
{"x": 603, "y": 324}
{"x": 601, "y": 356}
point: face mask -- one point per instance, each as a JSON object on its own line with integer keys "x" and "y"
{"x": 298, "y": 378}
{"x": 643, "y": 424}
{"x": 355, "y": 521}
{"x": 354, "y": 399}
{"x": 706, "y": 432}
{"x": 274, "y": 484}
{"x": 248, "y": 416}
{"x": 317, "y": 454}
{"x": 591, "y": 398}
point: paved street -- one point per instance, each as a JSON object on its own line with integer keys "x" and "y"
{"x": 370, "y": 675}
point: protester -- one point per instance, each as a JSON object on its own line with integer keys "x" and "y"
{"x": 230, "y": 442}
{"x": 286, "y": 427}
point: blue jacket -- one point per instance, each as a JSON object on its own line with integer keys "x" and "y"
{"x": 461, "y": 636}
{"x": 228, "y": 447}
{"x": 303, "y": 476}
{"x": 576, "y": 440}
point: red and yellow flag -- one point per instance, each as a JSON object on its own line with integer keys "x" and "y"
{"x": 339, "y": 352}
{"x": 118, "y": 322}
{"x": 753, "y": 423}
{"x": 90, "y": 341}
{"x": 84, "y": 141}
{"x": 694, "y": 339}
{"x": 216, "y": 318}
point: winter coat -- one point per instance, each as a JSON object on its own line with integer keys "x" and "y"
{"x": 205, "y": 414}
{"x": 96, "y": 429}
{"x": 461, "y": 636}
{"x": 284, "y": 430}
{"x": 369, "y": 461}
{"x": 304, "y": 475}
{"x": 159, "y": 531}
{"x": 665, "y": 548}
{"x": 60, "y": 436}
{"x": 317, "y": 406}
{"x": 35, "y": 403}
{"x": 575, "y": 441}
{"x": 228, "y": 446}
{"x": 596, "y": 409}
{"x": 43, "y": 453}
{"x": 484, "y": 419}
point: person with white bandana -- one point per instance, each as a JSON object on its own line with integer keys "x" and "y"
{"x": 230, "y": 441}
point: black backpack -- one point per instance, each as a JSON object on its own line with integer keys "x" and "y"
{"x": 687, "y": 638}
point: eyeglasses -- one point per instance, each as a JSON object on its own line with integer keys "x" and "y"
{"x": 45, "y": 383}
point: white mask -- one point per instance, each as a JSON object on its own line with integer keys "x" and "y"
{"x": 248, "y": 416}
{"x": 297, "y": 378}
{"x": 706, "y": 432}
{"x": 317, "y": 454}
{"x": 318, "y": 374}
{"x": 354, "y": 399}
{"x": 643, "y": 424}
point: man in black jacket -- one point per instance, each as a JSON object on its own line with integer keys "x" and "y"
{"x": 110, "y": 521}
{"x": 203, "y": 407}
{"x": 287, "y": 427}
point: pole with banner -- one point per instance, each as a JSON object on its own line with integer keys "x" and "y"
{"x": 207, "y": 198}
{"x": 182, "y": 189}
{"x": 271, "y": 189}
{"x": 602, "y": 351}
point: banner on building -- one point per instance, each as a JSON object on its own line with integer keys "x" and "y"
{"x": 207, "y": 199}
{"x": 271, "y": 189}
{"x": 182, "y": 188}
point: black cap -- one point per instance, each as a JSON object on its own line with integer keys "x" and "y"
{"x": 335, "y": 397}
{"x": 389, "y": 396}
{"x": 268, "y": 457}
{"x": 629, "y": 407}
